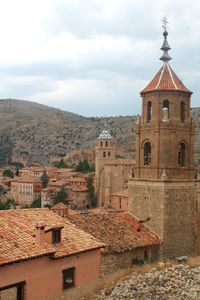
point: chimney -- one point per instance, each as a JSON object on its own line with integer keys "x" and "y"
{"x": 39, "y": 233}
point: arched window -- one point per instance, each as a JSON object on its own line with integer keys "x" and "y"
{"x": 104, "y": 154}
{"x": 182, "y": 115}
{"x": 101, "y": 143}
{"x": 106, "y": 143}
{"x": 147, "y": 153}
{"x": 181, "y": 154}
{"x": 149, "y": 111}
{"x": 166, "y": 109}
{"x": 108, "y": 153}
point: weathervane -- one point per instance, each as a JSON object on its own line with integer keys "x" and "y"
{"x": 165, "y": 23}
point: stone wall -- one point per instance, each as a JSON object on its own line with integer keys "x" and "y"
{"x": 112, "y": 262}
{"x": 169, "y": 209}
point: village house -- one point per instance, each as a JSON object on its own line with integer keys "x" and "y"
{"x": 25, "y": 190}
{"x": 37, "y": 171}
{"x": 127, "y": 240}
{"x": 42, "y": 254}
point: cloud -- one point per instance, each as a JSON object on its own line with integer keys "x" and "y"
{"x": 93, "y": 56}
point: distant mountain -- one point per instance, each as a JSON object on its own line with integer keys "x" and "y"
{"x": 34, "y": 133}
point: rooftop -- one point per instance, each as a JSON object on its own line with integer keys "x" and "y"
{"x": 105, "y": 135}
{"x": 18, "y": 242}
{"x": 118, "y": 230}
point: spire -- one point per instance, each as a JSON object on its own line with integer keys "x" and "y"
{"x": 165, "y": 46}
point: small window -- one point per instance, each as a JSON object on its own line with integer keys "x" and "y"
{"x": 106, "y": 143}
{"x": 68, "y": 278}
{"x": 101, "y": 143}
{"x": 149, "y": 111}
{"x": 147, "y": 153}
{"x": 182, "y": 111}
{"x": 181, "y": 154}
{"x": 109, "y": 153}
{"x": 56, "y": 236}
{"x": 104, "y": 154}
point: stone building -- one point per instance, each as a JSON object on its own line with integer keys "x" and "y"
{"x": 111, "y": 174}
{"x": 164, "y": 190}
{"x": 127, "y": 240}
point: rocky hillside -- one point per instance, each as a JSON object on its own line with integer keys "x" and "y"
{"x": 178, "y": 283}
{"x": 35, "y": 133}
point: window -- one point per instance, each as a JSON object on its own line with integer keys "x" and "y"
{"x": 101, "y": 143}
{"x": 149, "y": 111}
{"x": 182, "y": 111}
{"x": 104, "y": 154}
{"x": 14, "y": 292}
{"x": 147, "y": 153}
{"x": 68, "y": 278}
{"x": 56, "y": 236}
{"x": 181, "y": 154}
{"x": 109, "y": 153}
{"x": 106, "y": 143}
{"x": 166, "y": 109}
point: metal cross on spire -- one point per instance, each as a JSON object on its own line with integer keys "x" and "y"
{"x": 165, "y": 23}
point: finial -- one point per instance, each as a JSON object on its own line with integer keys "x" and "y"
{"x": 165, "y": 46}
{"x": 165, "y": 22}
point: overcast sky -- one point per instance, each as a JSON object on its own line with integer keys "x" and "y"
{"x": 93, "y": 57}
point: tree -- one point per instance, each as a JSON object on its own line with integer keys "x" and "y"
{"x": 7, "y": 204}
{"x": 45, "y": 179}
{"x": 36, "y": 203}
{"x": 8, "y": 173}
{"x": 91, "y": 190}
{"x": 61, "y": 196}
{"x": 17, "y": 172}
{"x": 2, "y": 190}
{"x": 61, "y": 164}
{"x": 83, "y": 166}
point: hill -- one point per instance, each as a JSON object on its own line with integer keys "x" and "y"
{"x": 34, "y": 133}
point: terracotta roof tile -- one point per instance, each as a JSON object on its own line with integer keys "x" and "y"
{"x": 18, "y": 242}
{"x": 118, "y": 230}
{"x": 166, "y": 79}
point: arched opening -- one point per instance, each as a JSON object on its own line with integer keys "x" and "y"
{"x": 104, "y": 154}
{"x": 182, "y": 111}
{"x": 181, "y": 154}
{"x": 101, "y": 143}
{"x": 166, "y": 109}
{"x": 106, "y": 143}
{"x": 149, "y": 111}
{"x": 108, "y": 153}
{"x": 147, "y": 153}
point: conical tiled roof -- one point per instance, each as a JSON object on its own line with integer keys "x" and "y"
{"x": 166, "y": 79}
{"x": 105, "y": 135}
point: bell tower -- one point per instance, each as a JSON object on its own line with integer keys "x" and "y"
{"x": 104, "y": 152}
{"x": 163, "y": 192}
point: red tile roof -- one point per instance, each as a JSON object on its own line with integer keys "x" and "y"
{"x": 166, "y": 79}
{"x": 18, "y": 241}
{"x": 118, "y": 230}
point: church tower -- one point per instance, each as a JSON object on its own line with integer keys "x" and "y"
{"x": 163, "y": 193}
{"x": 104, "y": 152}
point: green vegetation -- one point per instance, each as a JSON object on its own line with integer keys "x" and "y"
{"x": 35, "y": 204}
{"x": 7, "y": 204}
{"x": 8, "y": 173}
{"x": 61, "y": 197}
{"x": 61, "y": 164}
{"x": 45, "y": 179}
{"x": 2, "y": 190}
{"x": 91, "y": 190}
{"x": 5, "y": 154}
{"x": 84, "y": 166}
{"x": 17, "y": 172}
